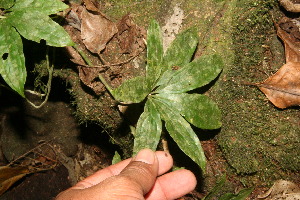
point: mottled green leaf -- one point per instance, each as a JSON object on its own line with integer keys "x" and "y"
{"x": 181, "y": 131}
{"x": 194, "y": 75}
{"x": 6, "y": 3}
{"x": 154, "y": 52}
{"x": 148, "y": 129}
{"x": 132, "y": 91}
{"x": 36, "y": 26}
{"x": 197, "y": 109}
{"x": 181, "y": 50}
{"x": 41, "y": 6}
{"x": 117, "y": 158}
{"x": 12, "y": 61}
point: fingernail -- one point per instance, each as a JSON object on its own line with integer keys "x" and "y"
{"x": 146, "y": 156}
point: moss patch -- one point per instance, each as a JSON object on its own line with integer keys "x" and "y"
{"x": 261, "y": 143}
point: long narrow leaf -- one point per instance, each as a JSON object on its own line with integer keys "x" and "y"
{"x": 148, "y": 129}
{"x": 12, "y": 61}
{"x": 194, "y": 75}
{"x": 181, "y": 131}
{"x": 197, "y": 109}
{"x": 154, "y": 52}
{"x": 181, "y": 49}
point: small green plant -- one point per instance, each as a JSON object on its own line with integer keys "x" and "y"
{"x": 30, "y": 19}
{"x": 167, "y": 90}
{"x": 242, "y": 195}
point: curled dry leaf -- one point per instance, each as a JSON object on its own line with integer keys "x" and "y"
{"x": 291, "y": 6}
{"x": 282, "y": 190}
{"x": 88, "y": 75}
{"x": 283, "y": 88}
{"x": 10, "y": 175}
{"x": 130, "y": 36}
{"x": 288, "y": 31}
{"x": 96, "y": 31}
{"x": 91, "y": 5}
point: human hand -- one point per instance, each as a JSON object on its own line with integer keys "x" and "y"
{"x": 135, "y": 179}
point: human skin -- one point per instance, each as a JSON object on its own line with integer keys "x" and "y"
{"x": 142, "y": 177}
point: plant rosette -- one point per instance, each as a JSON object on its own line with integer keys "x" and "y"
{"x": 166, "y": 89}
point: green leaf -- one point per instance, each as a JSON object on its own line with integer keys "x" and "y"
{"x": 36, "y": 26}
{"x": 148, "y": 129}
{"x": 243, "y": 194}
{"x": 6, "y": 4}
{"x": 180, "y": 130}
{"x": 154, "y": 52}
{"x": 133, "y": 90}
{"x": 216, "y": 189}
{"x": 41, "y": 6}
{"x": 181, "y": 49}
{"x": 194, "y": 75}
{"x": 197, "y": 109}
{"x": 116, "y": 158}
{"x": 12, "y": 61}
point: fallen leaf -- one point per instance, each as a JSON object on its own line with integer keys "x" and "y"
{"x": 290, "y": 6}
{"x": 91, "y": 5}
{"x": 282, "y": 190}
{"x": 130, "y": 36}
{"x": 288, "y": 31}
{"x": 96, "y": 31}
{"x": 10, "y": 175}
{"x": 88, "y": 75}
{"x": 283, "y": 88}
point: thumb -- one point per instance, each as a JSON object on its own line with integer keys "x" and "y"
{"x": 142, "y": 170}
{"x": 132, "y": 183}
{"x": 135, "y": 180}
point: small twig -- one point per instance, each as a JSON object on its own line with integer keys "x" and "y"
{"x": 90, "y": 64}
{"x": 108, "y": 65}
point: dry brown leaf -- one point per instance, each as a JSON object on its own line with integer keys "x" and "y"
{"x": 88, "y": 75}
{"x": 290, "y": 40}
{"x": 91, "y": 5}
{"x": 130, "y": 36}
{"x": 282, "y": 190}
{"x": 290, "y": 6}
{"x": 10, "y": 175}
{"x": 283, "y": 88}
{"x": 96, "y": 31}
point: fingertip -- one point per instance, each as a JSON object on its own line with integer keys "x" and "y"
{"x": 183, "y": 181}
{"x": 165, "y": 161}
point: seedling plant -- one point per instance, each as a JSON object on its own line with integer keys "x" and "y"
{"x": 167, "y": 90}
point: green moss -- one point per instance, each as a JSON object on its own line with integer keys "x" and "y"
{"x": 260, "y": 142}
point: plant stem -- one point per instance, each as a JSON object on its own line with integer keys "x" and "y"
{"x": 50, "y": 72}
{"x": 90, "y": 64}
